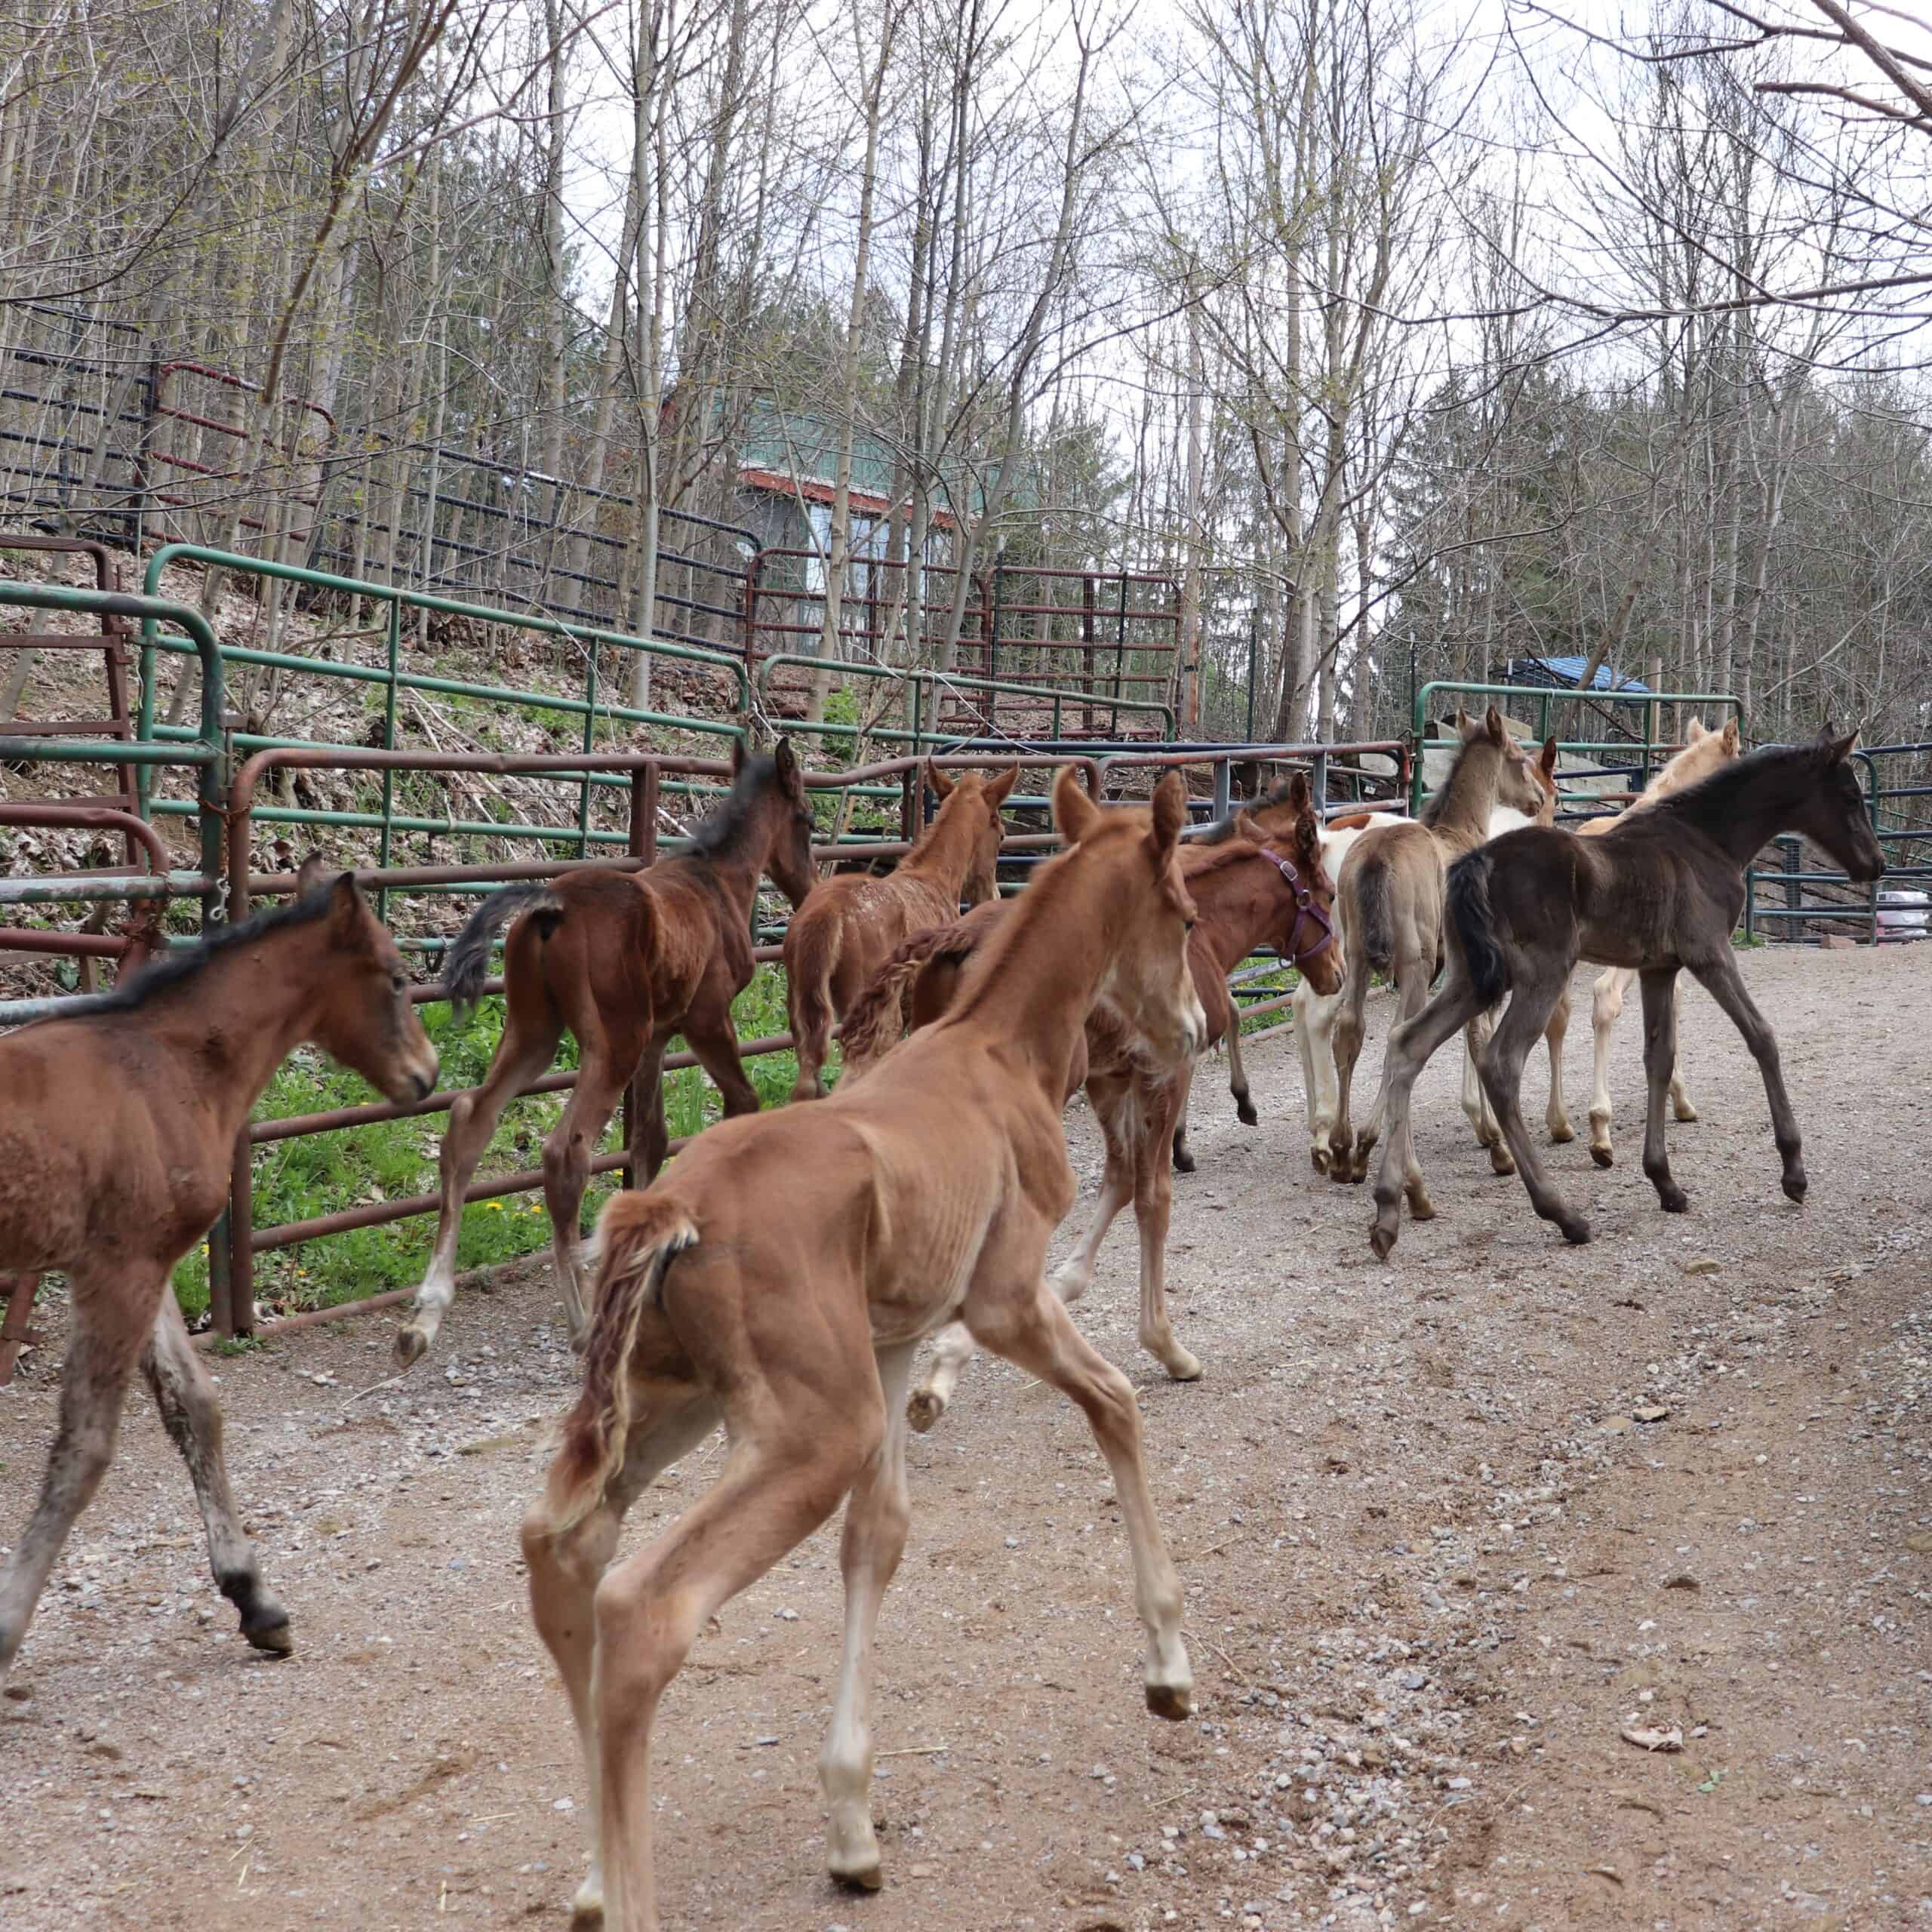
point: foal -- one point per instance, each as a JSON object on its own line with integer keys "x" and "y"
{"x": 624, "y": 960}
{"x": 1704, "y": 751}
{"x": 117, "y": 1139}
{"x": 1247, "y": 893}
{"x": 778, "y": 1277}
{"x": 1664, "y": 892}
{"x": 846, "y": 928}
{"x": 1390, "y": 891}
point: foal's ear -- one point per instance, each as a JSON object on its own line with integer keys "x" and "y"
{"x": 1841, "y": 748}
{"x": 1465, "y": 725}
{"x": 1730, "y": 738}
{"x": 1496, "y": 727}
{"x": 997, "y": 789}
{"x": 1547, "y": 762}
{"x": 1170, "y": 813}
{"x": 313, "y": 871}
{"x": 941, "y": 786}
{"x": 1074, "y": 814}
{"x": 786, "y": 761}
{"x": 347, "y": 907}
{"x": 1298, "y": 797}
{"x": 1694, "y": 733}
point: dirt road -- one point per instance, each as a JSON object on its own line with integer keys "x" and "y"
{"x": 1448, "y": 1527}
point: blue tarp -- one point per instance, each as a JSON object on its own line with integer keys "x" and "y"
{"x": 1566, "y": 671}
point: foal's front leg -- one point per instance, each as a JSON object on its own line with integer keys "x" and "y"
{"x": 1476, "y": 1102}
{"x": 1153, "y": 1200}
{"x": 1660, "y": 1058}
{"x": 191, "y": 1414}
{"x": 1720, "y": 977}
{"x": 1556, "y": 1115}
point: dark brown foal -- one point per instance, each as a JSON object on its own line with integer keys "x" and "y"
{"x": 1661, "y": 891}
{"x": 624, "y": 960}
{"x": 118, "y": 1128}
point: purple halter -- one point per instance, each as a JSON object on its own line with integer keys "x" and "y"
{"x": 1305, "y": 909}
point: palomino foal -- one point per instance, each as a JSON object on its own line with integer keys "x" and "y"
{"x": 778, "y": 1277}
{"x": 117, "y": 1138}
{"x": 1662, "y": 893}
{"x": 844, "y": 930}
{"x": 623, "y": 960}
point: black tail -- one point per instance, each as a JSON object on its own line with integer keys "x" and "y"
{"x": 1474, "y": 923}
{"x": 1378, "y": 933}
{"x": 466, "y": 964}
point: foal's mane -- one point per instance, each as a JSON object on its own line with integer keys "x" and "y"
{"x": 1222, "y": 829}
{"x": 727, "y": 823}
{"x": 1714, "y": 796}
{"x": 173, "y": 967}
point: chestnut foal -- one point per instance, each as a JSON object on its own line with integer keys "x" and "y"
{"x": 624, "y": 960}
{"x": 778, "y": 1279}
{"x": 1247, "y": 893}
{"x": 844, "y": 930}
{"x": 117, "y": 1139}
{"x": 1662, "y": 892}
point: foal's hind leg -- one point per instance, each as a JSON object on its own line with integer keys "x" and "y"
{"x": 877, "y": 1517}
{"x": 1412, "y": 1043}
{"x": 1606, "y": 1004}
{"x": 1412, "y": 978}
{"x": 191, "y": 1413}
{"x": 1475, "y": 1100}
{"x": 1350, "y": 1028}
{"x": 113, "y": 1317}
{"x": 1720, "y": 978}
{"x": 1315, "y": 1039}
{"x": 1556, "y": 1115}
{"x": 565, "y": 1570}
{"x": 1538, "y": 984}
{"x": 1680, "y": 1094}
{"x": 1183, "y": 1154}
{"x": 1153, "y": 1200}
{"x": 1659, "y": 1056}
{"x": 604, "y": 1074}
{"x": 529, "y": 1044}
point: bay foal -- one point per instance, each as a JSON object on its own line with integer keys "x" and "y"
{"x": 1661, "y": 894}
{"x": 844, "y": 930}
{"x": 118, "y": 1128}
{"x": 778, "y": 1277}
{"x": 624, "y": 960}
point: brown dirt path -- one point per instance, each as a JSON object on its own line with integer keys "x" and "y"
{"x": 1430, "y": 1559}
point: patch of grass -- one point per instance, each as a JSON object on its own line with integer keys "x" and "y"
{"x": 295, "y": 1180}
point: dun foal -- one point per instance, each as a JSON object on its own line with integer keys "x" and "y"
{"x": 1703, "y": 754}
{"x": 1662, "y": 892}
{"x": 778, "y": 1277}
{"x": 1390, "y": 891}
{"x": 116, "y": 1142}
{"x": 624, "y": 960}
{"x": 847, "y": 928}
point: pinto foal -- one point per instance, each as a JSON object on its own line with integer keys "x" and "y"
{"x": 117, "y": 1138}
{"x": 778, "y": 1277}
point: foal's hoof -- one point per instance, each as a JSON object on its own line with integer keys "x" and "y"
{"x": 1382, "y": 1235}
{"x": 1604, "y": 1156}
{"x": 861, "y": 1877}
{"x": 1673, "y": 1200}
{"x": 1182, "y": 1366}
{"x": 1561, "y": 1132}
{"x": 1171, "y": 1701}
{"x": 1795, "y": 1184}
{"x": 412, "y": 1344}
{"x": 277, "y": 1639}
{"x": 587, "y": 1907}
{"x": 1684, "y": 1110}
{"x": 923, "y": 1409}
{"x": 1318, "y": 1159}
{"x": 1184, "y": 1159}
{"x": 1500, "y": 1160}
{"x": 1576, "y": 1229}
{"x": 1244, "y": 1112}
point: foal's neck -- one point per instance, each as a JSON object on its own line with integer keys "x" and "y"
{"x": 239, "y": 1017}
{"x": 1461, "y": 809}
{"x": 944, "y": 851}
{"x": 1237, "y": 904}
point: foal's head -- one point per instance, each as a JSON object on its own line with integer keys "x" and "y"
{"x": 768, "y": 800}
{"x": 977, "y": 798}
{"x": 1148, "y": 912}
{"x": 363, "y": 1015}
{"x": 1284, "y": 824}
{"x": 1487, "y": 746}
{"x": 1831, "y": 810}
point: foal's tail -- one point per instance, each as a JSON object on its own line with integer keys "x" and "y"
{"x": 1473, "y": 921}
{"x": 466, "y": 964}
{"x": 883, "y": 1011}
{"x": 1376, "y": 927}
{"x": 638, "y": 1237}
